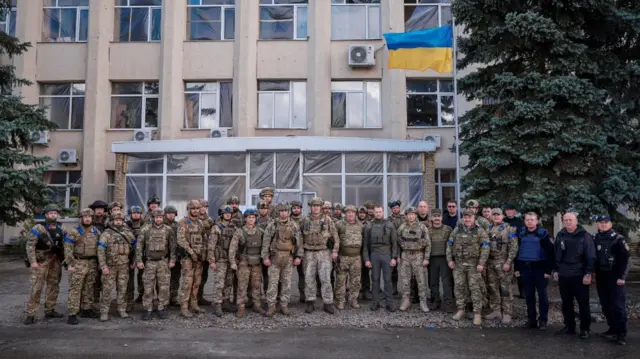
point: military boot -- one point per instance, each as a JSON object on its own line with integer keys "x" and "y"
{"x": 73, "y": 320}
{"x": 303, "y": 298}
{"x": 284, "y": 309}
{"x": 329, "y": 308}
{"x": 227, "y": 306}
{"x": 217, "y": 310}
{"x": 354, "y": 304}
{"x": 31, "y": 319}
{"x": 146, "y": 315}
{"x": 310, "y": 307}
{"x": 494, "y": 315}
{"x": 174, "y": 303}
{"x": 257, "y": 308}
{"x": 459, "y": 314}
{"x": 184, "y": 311}
{"x": 123, "y": 314}
{"x": 423, "y": 306}
{"x": 202, "y": 301}
{"x": 104, "y": 317}
{"x": 195, "y": 308}
{"x": 477, "y": 319}
{"x": 449, "y": 306}
{"x": 506, "y": 319}
{"x": 163, "y": 314}
{"x": 406, "y": 303}
{"x": 240, "y": 312}
{"x": 340, "y": 305}
{"x": 53, "y": 314}
{"x": 271, "y": 311}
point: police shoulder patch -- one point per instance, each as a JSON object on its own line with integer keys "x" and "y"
{"x": 626, "y": 246}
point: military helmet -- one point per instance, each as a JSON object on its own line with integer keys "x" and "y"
{"x": 157, "y": 213}
{"x": 472, "y": 203}
{"x": 316, "y": 201}
{"x": 155, "y": 200}
{"x": 369, "y": 205}
{"x": 326, "y": 205}
{"x": 226, "y": 209}
{"x": 296, "y": 204}
{"x": 268, "y": 191}
{"x": 496, "y": 211}
{"x": 233, "y": 200}
{"x": 410, "y": 209}
{"x": 203, "y": 203}
{"x": 263, "y": 205}
{"x": 135, "y": 209}
{"x": 52, "y": 207}
{"x": 170, "y": 209}
{"x": 362, "y": 210}
{"x": 250, "y": 212}
{"x": 468, "y": 212}
{"x": 193, "y": 204}
{"x": 283, "y": 206}
{"x": 118, "y": 215}
{"x": 85, "y": 212}
{"x": 435, "y": 212}
{"x": 99, "y": 204}
{"x": 338, "y": 206}
{"x": 351, "y": 208}
{"x": 395, "y": 203}
{"x": 115, "y": 204}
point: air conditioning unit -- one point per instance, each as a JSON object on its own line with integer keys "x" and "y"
{"x": 40, "y": 137}
{"x": 361, "y": 56}
{"x": 220, "y": 132}
{"x": 432, "y": 137}
{"x": 68, "y": 156}
{"x": 142, "y": 135}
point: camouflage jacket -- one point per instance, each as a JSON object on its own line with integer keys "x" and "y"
{"x": 220, "y": 240}
{"x": 414, "y": 236}
{"x": 192, "y": 238}
{"x": 81, "y": 243}
{"x": 503, "y": 244}
{"x": 238, "y": 218}
{"x": 484, "y": 223}
{"x": 316, "y": 232}
{"x": 469, "y": 247}
{"x": 135, "y": 226}
{"x": 207, "y": 222}
{"x": 351, "y": 236}
{"x": 298, "y": 219}
{"x": 115, "y": 247}
{"x": 397, "y": 220}
{"x": 263, "y": 221}
{"x": 156, "y": 242}
{"x": 41, "y": 250}
{"x": 238, "y": 249}
{"x": 282, "y": 236}
{"x": 100, "y": 222}
{"x": 439, "y": 237}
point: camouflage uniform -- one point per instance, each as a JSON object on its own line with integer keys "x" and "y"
{"x": 316, "y": 232}
{"x": 272, "y": 209}
{"x": 349, "y": 260}
{"x": 439, "y": 270}
{"x": 192, "y": 239}
{"x": 207, "y": 223}
{"x": 504, "y": 248}
{"x": 42, "y": 251}
{"x": 158, "y": 244}
{"x": 300, "y": 268}
{"x": 485, "y": 224}
{"x": 222, "y": 234}
{"x": 114, "y": 252}
{"x": 468, "y": 248}
{"x": 337, "y": 216}
{"x": 81, "y": 253}
{"x": 237, "y": 215}
{"x": 365, "y": 290}
{"x": 100, "y": 222}
{"x": 397, "y": 220}
{"x": 262, "y": 222}
{"x": 174, "y": 273}
{"x": 135, "y": 227}
{"x": 282, "y": 242}
{"x": 246, "y": 246}
{"x": 413, "y": 239}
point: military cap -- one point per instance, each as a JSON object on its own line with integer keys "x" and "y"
{"x": 233, "y": 200}
{"x": 296, "y": 204}
{"x": 410, "y": 209}
{"x": 338, "y": 206}
{"x": 326, "y": 204}
{"x": 603, "y": 218}
{"x": 472, "y": 203}
{"x": 135, "y": 209}
{"x": 395, "y": 203}
{"x": 52, "y": 207}
{"x": 115, "y": 204}
{"x": 85, "y": 212}
{"x": 351, "y": 208}
{"x": 263, "y": 204}
{"x": 369, "y": 205}
{"x": 316, "y": 201}
{"x": 283, "y": 206}
{"x": 155, "y": 200}
{"x": 362, "y": 210}
{"x": 250, "y": 212}
{"x": 267, "y": 191}
{"x": 435, "y": 212}
{"x": 225, "y": 208}
{"x": 157, "y": 213}
{"x": 203, "y": 203}
{"x": 509, "y": 206}
{"x": 118, "y": 215}
{"x": 193, "y": 204}
{"x": 496, "y": 211}
{"x": 99, "y": 204}
{"x": 468, "y": 212}
{"x": 170, "y": 209}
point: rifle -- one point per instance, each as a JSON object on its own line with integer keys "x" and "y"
{"x": 132, "y": 253}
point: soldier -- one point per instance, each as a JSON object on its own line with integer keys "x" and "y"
{"x": 370, "y": 210}
{"x": 282, "y": 242}
{"x": 152, "y": 204}
{"x": 337, "y": 212}
{"x": 317, "y": 229}
{"x": 467, "y": 254}
{"x": 191, "y": 242}
{"x": 327, "y": 208}
{"x": 487, "y": 213}
{"x": 264, "y": 215}
{"x": 222, "y": 234}
{"x": 114, "y": 257}
{"x": 380, "y": 252}
{"x": 504, "y": 248}
{"x": 413, "y": 239}
{"x": 114, "y": 207}
{"x": 44, "y": 255}
{"x": 207, "y": 223}
{"x": 397, "y": 219}
{"x": 247, "y": 244}
{"x": 100, "y": 220}
{"x": 362, "y": 215}
{"x": 439, "y": 270}
{"x": 365, "y": 288}
{"x": 350, "y": 232}
{"x": 158, "y": 244}
{"x": 266, "y": 195}
{"x": 81, "y": 257}
{"x": 170, "y": 214}
{"x": 134, "y": 224}
{"x": 298, "y": 217}
{"x": 474, "y": 205}
{"x": 516, "y": 221}
{"x": 237, "y": 216}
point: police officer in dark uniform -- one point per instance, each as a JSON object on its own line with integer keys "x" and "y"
{"x": 611, "y": 269}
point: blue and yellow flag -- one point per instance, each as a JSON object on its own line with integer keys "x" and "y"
{"x": 421, "y": 50}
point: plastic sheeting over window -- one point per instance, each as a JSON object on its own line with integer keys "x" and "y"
{"x": 140, "y": 189}
{"x": 363, "y": 188}
{"x": 131, "y": 103}
{"x": 327, "y": 187}
{"x": 211, "y": 23}
{"x": 66, "y": 24}
{"x": 227, "y": 163}
{"x": 182, "y": 189}
{"x": 220, "y": 188}
{"x": 363, "y": 163}
{"x": 261, "y": 170}
{"x": 185, "y": 164}
{"x": 63, "y": 104}
{"x": 152, "y": 164}
{"x": 288, "y": 170}
{"x": 407, "y": 189}
{"x": 426, "y": 14}
{"x": 322, "y": 162}
{"x": 283, "y": 22}
{"x": 404, "y": 162}
{"x": 138, "y": 23}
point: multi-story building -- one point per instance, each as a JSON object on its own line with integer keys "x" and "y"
{"x": 210, "y": 98}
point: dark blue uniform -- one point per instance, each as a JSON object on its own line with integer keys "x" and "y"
{"x": 612, "y": 264}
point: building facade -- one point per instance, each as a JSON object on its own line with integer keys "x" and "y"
{"x": 262, "y": 72}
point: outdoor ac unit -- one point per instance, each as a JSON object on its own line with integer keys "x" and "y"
{"x": 40, "y": 137}
{"x": 68, "y": 156}
{"x": 432, "y": 137}
{"x": 361, "y": 56}
{"x": 219, "y": 132}
{"x": 142, "y": 135}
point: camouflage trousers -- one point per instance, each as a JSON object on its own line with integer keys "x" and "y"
{"x": 81, "y": 283}
{"x": 223, "y": 285}
{"x": 411, "y": 266}
{"x": 467, "y": 279}
{"x": 348, "y": 267}
{"x": 500, "y": 288}
{"x": 191, "y": 275}
{"x": 130, "y": 288}
{"x": 249, "y": 272}
{"x": 280, "y": 273}
{"x": 97, "y": 287}
{"x": 318, "y": 262}
{"x": 156, "y": 275}
{"x": 174, "y": 283}
{"x": 48, "y": 274}
{"x": 117, "y": 278}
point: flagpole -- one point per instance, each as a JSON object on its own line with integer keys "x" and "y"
{"x": 455, "y": 113}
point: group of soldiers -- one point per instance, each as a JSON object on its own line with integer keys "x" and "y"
{"x": 341, "y": 254}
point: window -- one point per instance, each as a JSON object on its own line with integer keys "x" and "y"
{"x": 283, "y": 19}
{"x": 208, "y": 104}
{"x": 282, "y": 104}
{"x": 211, "y": 19}
{"x": 430, "y": 103}
{"x": 111, "y": 186}
{"x": 425, "y": 14}
{"x": 134, "y": 105}
{"x": 138, "y": 20}
{"x": 65, "y": 20}
{"x": 8, "y": 19}
{"x": 355, "y": 19}
{"x": 63, "y": 104}
{"x": 355, "y": 104}
{"x": 66, "y": 187}
{"x": 445, "y": 186}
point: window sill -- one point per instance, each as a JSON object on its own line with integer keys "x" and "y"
{"x": 130, "y": 129}
{"x": 66, "y": 130}
{"x": 351, "y": 40}
{"x": 428, "y": 127}
{"x": 282, "y": 128}
{"x": 225, "y": 40}
{"x": 199, "y": 129}
{"x": 272, "y": 40}
{"x": 136, "y": 42}
{"x": 356, "y": 128}
{"x": 61, "y": 42}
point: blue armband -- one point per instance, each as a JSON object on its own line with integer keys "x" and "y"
{"x": 450, "y": 242}
{"x": 485, "y": 244}
{"x": 69, "y": 240}
{"x": 102, "y": 244}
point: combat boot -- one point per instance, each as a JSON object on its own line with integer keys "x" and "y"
{"x": 477, "y": 319}
{"x": 146, "y": 315}
{"x": 329, "y": 308}
{"x": 310, "y": 307}
{"x": 257, "y": 308}
{"x": 202, "y": 301}
{"x": 354, "y": 304}
{"x": 406, "y": 303}
{"x": 73, "y": 320}
{"x": 174, "y": 303}
{"x": 459, "y": 314}
{"x": 139, "y": 299}
{"x": 240, "y": 312}
{"x": 227, "y": 306}
{"x": 123, "y": 314}
{"x": 284, "y": 309}
{"x": 303, "y": 298}
{"x": 195, "y": 308}
{"x": 271, "y": 311}
{"x": 53, "y": 314}
{"x": 494, "y": 315}
{"x": 506, "y": 319}
{"x": 340, "y": 305}
{"x": 104, "y": 317}
{"x": 31, "y": 319}
{"x": 184, "y": 311}
{"x": 217, "y": 310}
{"x": 423, "y": 306}
{"x": 163, "y": 314}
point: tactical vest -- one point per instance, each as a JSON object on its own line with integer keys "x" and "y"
{"x": 135, "y": 227}
{"x": 252, "y": 246}
{"x": 439, "y": 239}
{"x": 350, "y": 239}
{"x": 396, "y": 220}
{"x": 52, "y": 238}
{"x": 284, "y": 240}
{"x": 498, "y": 242}
{"x": 87, "y": 245}
{"x": 316, "y": 233}
{"x": 604, "y": 250}
{"x": 530, "y": 249}
{"x": 466, "y": 245}
{"x": 156, "y": 243}
{"x": 120, "y": 249}
{"x": 411, "y": 237}
{"x": 226, "y": 234}
{"x": 379, "y": 234}
{"x": 194, "y": 236}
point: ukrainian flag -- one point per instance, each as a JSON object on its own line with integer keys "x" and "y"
{"x": 421, "y": 50}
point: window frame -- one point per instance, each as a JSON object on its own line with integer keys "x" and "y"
{"x": 365, "y": 110}
{"x": 440, "y": 200}
{"x": 5, "y": 21}
{"x": 439, "y": 94}
{"x": 144, "y": 97}
{"x": 111, "y": 187}
{"x": 150, "y": 9}
{"x": 367, "y": 30}
{"x": 69, "y": 96}
{"x": 291, "y": 105}
{"x": 437, "y": 3}
{"x": 218, "y": 94}
{"x": 223, "y": 19}
{"x": 68, "y": 186}
{"x": 273, "y": 3}
{"x": 59, "y": 8}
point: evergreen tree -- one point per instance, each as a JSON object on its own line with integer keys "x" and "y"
{"x": 562, "y": 132}
{"x": 22, "y": 189}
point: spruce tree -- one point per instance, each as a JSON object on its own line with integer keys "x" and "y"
{"x": 560, "y": 80}
{"x": 22, "y": 189}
